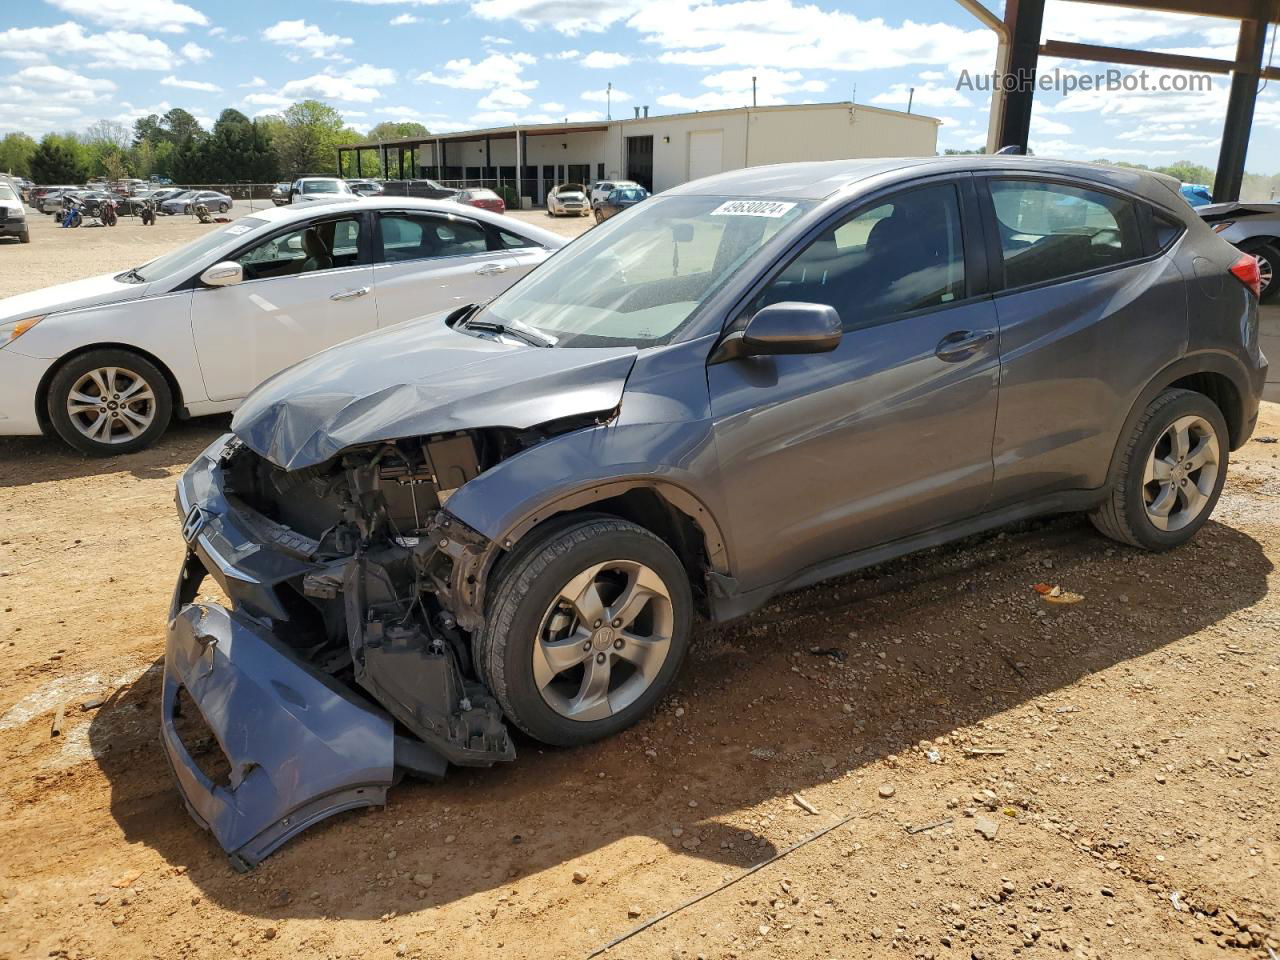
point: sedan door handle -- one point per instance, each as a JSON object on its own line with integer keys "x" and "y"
{"x": 489, "y": 269}
{"x": 350, "y": 294}
{"x": 962, "y": 343}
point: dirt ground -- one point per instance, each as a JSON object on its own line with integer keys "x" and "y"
{"x": 1018, "y": 779}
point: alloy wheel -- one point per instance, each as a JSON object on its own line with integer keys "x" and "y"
{"x": 603, "y": 640}
{"x": 1181, "y": 472}
{"x": 111, "y": 405}
{"x": 1266, "y": 273}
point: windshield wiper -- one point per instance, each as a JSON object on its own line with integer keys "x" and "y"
{"x": 528, "y": 334}
{"x": 132, "y": 275}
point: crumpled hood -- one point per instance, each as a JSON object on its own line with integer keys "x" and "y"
{"x": 419, "y": 378}
{"x": 90, "y": 292}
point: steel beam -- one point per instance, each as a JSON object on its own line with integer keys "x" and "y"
{"x": 1250, "y": 49}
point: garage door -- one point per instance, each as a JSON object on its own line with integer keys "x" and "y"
{"x": 706, "y": 151}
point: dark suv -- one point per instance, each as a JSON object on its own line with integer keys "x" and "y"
{"x": 513, "y": 512}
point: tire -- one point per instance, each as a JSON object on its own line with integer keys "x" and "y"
{"x": 222, "y": 208}
{"x": 1127, "y": 513}
{"x": 24, "y": 237}
{"x": 599, "y": 219}
{"x": 525, "y": 605}
{"x": 1268, "y": 265}
{"x": 150, "y": 414}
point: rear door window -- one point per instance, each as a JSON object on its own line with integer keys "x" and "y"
{"x": 407, "y": 236}
{"x": 1049, "y": 231}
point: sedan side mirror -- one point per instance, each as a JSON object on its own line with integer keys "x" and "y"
{"x": 223, "y": 274}
{"x": 783, "y": 328}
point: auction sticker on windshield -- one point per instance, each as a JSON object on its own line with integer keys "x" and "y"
{"x": 752, "y": 208}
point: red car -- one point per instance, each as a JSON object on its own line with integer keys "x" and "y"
{"x": 482, "y": 198}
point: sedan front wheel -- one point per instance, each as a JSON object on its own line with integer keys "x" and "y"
{"x": 107, "y": 402}
{"x": 586, "y": 630}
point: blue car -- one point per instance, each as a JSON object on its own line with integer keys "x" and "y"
{"x": 1197, "y": 194}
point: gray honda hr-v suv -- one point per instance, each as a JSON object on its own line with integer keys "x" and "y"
{"x": 512, "y": 513}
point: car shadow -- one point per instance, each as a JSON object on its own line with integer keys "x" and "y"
{"x": 789, "y": 699}
{"x": 27, "y": 460}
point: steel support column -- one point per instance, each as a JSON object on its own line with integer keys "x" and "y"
{"x": 1025, "y": 19}
{"x": 1250, "y": 49}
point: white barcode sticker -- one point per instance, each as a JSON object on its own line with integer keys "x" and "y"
{"x": 752, "y": 208}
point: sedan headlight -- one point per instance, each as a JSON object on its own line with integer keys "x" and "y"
{"x": 11, "y": 330}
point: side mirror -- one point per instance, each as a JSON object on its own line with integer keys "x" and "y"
{"x": 224, "y": 274}
{"x": 783, "y": 328}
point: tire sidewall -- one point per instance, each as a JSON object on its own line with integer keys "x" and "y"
{"x": 537, "y": 717}
{"x": 72, "y": 370}
{"x": 1189, "y": 404}
{"x": 1272, "y": 255}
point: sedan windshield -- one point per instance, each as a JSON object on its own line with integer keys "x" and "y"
{"x": 186, "y": 257}
{"x": 637, "y": 279}
{"x": 324, "y": 186}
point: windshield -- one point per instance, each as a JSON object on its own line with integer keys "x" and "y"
{"x": 6, "y": 193}
{"x": 323, "y": 186}
{"x": 637, "y": 279}
{"x": 630, "y": 195}
{"x": 196, "y": 250}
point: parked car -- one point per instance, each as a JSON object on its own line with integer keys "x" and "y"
{"x": 617, "y": 201}
{"x": 568, "y": 198}
{"x": 319, "y": 189}
{"x": 188, "y": 200}
{"x": 483, "y": 198}
{"x": 130, "y": 206}
{"x": 509, "y": 513}
{"x": 602, "y": 188}
{"x": 430, "y": 190}
{"x": 367, "y": 188}
{"x": 13, "y": 216}
{"x": 50, "y": 201}
{"x": 1253, "y": 228}
{"x": 104, "y": 362}
{"x": 280, "y": 193}
{"x": 1197, "y": 194}
{"x": 156, "y": 178}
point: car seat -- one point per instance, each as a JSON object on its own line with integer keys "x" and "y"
{"x": 318, "y": 255}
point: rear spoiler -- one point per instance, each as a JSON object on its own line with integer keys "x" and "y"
{"x": 1213, "y": 212}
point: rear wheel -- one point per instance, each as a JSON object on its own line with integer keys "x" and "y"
{"x": 1268, "y": 265}
{"x": 1170, "y": 473}
{"x": 107, "y": 402}
{"x": 586, "y": 630}
{"x": 222, "y": 207}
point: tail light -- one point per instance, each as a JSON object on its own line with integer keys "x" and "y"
{"x": 1245, "y": 269}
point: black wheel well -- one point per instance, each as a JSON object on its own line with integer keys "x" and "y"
{"x": 1272, "y": 242}
{"x": 42, "y": 391}
{"x": 1225, "y": 396}
{"x": 646, "y": 508}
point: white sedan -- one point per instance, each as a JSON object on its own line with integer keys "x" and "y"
{"x": 105, "y": 362}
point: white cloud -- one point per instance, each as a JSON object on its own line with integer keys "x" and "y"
{"x": 551, "y": 107}
{"x": 925, "y": 95}
{"x": 1094, "y": 23}
{"x": 602, "y": 95}
{"x": 1043, "y": 125}
{"x": 217, "y": 31}
{"x": 495, "y": 41}
{"x": 195, "y": 53}
{"x": 272, "y": 101}
{"x": 305, "y": 37}
{"x": 495, "y": 70}
{"x": 60, "y": 83}
{"x": 563, "y": 55}
{"x": 254, "y": 83}
{"x": 153, "y": 16}
{"x": 601, "y": 60}
{"x": 115, "y": 49}
{"x": 404, "y": 19}
{"x": 586, "y": 16}
{"x": 172, "y": 81}
{"x": 789, "y": 36}
{"x": 498, "y": 118}
{"x": 502, "y": 97}
{"x": 358, "y": 85}
{"x": 732, "y": 88}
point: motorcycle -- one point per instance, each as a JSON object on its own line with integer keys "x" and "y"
{"x": 78, "y": 211}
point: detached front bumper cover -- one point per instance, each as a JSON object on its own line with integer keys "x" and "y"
{"x": 300, "y": 747}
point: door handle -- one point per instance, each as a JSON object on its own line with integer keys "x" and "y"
{"x": 489, "y": 269}
{"x": 961, "y": 343}
{"x": 350, "y": 294}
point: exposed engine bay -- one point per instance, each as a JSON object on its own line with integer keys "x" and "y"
{"x": 388, "y": 571}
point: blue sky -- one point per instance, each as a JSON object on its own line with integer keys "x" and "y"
{"x": 455, "y": 65}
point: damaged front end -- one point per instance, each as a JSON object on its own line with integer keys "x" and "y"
{"x": 340, "y": 656}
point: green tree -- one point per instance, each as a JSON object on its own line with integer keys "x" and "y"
{"x": 309, "y": 137}
{"x": 16, "y": 150}
{"x": 181, "y": 127}
{"x": 238, "y": 149}
{"x": 149, "y": 130}
{"x": 57, "y": 160}
{"x": 397, "y": 130}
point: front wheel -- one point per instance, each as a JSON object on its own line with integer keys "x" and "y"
{"x": 1170, "y": 473}
{"x": 106, "y": 402}
{"x": 586, "y": 630}
{"x": 222, "y": 207}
